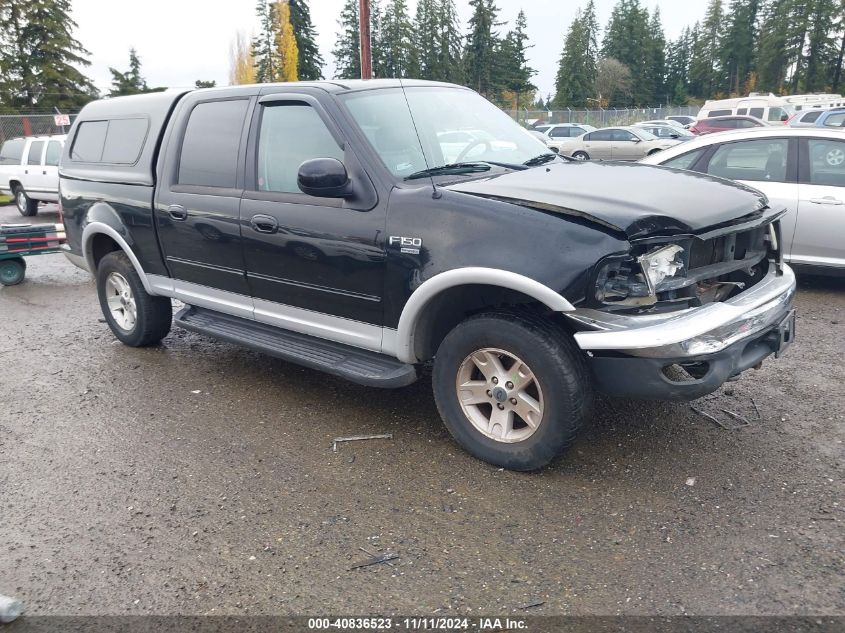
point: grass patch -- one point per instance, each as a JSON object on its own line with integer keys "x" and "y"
{"x": 5, "y": 199}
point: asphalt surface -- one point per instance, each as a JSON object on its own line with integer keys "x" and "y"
{"x": 197, "y": 477}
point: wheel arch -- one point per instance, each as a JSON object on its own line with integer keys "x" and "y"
{"x": 441, "y": 302}
{"x": 99, "y": 239}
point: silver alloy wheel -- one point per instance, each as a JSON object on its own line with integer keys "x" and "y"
{"x": 500, "y": 395}
{"x": 579, "y": 156}
{"x": 835, "y": 157}
{"x": 121, "y": 301}
{"x": 21, "y": 200}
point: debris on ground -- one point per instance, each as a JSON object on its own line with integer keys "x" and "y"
{"x": 741, "y": 421}
{"x": 756, "y": 409}
{"x": 358, "y": 438}
{"x": 690, "y": 481}
{"x": 738, "y": 417}
{"x": 10, "y": 609}
{"x": 531, "y": 605}
{"x": 375, "y": 560}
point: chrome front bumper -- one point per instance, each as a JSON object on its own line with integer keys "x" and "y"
{"x": 694, "y": 331}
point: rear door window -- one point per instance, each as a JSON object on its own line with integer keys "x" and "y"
{"x": 560, "y": 132}
{"x": 54, "y": 153}
{"x": 33, "y": 156}
{"x": 685, "y": 161}
{"x": 758, "y": 112}
{"x": 835, "y": 120}
{"x": 11, "y": 152}
{"x": 721, "y": 112}
{"x": 811, "y": 116}
{"x": 211, "y": 145}
{"x": 600, "y": 135}
{"x": 827, "y": 162}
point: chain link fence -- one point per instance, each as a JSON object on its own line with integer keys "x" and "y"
{"x": 15, "y": 125}
{"x": 601, "y": 117}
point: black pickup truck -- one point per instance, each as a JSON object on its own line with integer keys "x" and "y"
{"x": 367, "y": 228}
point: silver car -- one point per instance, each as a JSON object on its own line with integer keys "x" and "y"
{"x": 802, "y": 169}
{"x": 616, "y": 143}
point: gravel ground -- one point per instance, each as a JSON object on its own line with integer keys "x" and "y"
{"x": 197, "y": 477}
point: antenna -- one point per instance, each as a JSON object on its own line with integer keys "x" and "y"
{"x": 434, "y": 192}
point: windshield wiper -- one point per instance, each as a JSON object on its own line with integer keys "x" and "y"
{"x": 542, "y": 159}
{"x": 451, "y": 168}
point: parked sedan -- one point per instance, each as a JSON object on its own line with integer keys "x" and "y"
{"x": 683, "y": 119}
{"x": 802, "y": 169}
{"x": 616, "y": 143}
{"x": 667, "y": 131}
{"x": 728, "y": 122}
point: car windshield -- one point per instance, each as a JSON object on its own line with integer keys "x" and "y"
{"x": 427, "y": 127}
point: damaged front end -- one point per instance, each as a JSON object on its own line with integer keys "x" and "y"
{"x": 678, "y": 316}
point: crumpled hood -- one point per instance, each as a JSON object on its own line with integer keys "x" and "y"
{"x": 638, "y": 200}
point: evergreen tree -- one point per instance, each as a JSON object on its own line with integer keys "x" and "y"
{"x": 737, "y": 44}
{"x": 310, "y": 63}
{"x": 799, "y": 15}
{"x": 130, "y": 82}
{"x": 773, "y": 60}
{"x": 480, "y": 59}
{"x": 678, "y": 55}
{"x": 448, "y": 64}
{"x": 654, "y": 80}
{"x": 395, "y": 39}
{"x": 39, "y": 57}
{"x": 627, "y": 41}
{"x": 821, "y": 44}
{"x": 375, "y": 38}
{"x": 346, "y": 52}
{"x": 576, "y": 74}
{"x": 516, "y": 74}
{"x": 704, "y": 69}
{"x": 837, "y": 65}
{"x": 263, "y": 47}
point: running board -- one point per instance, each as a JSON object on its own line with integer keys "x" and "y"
{"x": 356, "y": 365}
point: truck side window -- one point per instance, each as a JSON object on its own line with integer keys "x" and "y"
{"x": 12, "y": 151}
{"x": 89, "y": 141}
{"x": 54, "y": 153}
{"x": 290, "y": 134}
{"x": 33, "y": 157}
{"x": 210, "y": 147}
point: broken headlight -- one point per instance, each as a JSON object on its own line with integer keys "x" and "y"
{"x": 632, "y": 280}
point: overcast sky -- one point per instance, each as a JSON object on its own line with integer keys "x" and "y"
{"x": 180, "y": 41}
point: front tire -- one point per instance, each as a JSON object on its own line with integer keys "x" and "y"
{"x": 27, "y": 207}
{"x": 512, "y": 388}
{"x": 135, "y": 317}
{"x": 581, "y": 156}
{"x": 12, "y": 271}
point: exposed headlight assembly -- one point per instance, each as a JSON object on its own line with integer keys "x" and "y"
{"x": 636, "y": 281}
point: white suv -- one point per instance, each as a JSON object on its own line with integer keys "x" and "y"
{"x": 29, "y": 170}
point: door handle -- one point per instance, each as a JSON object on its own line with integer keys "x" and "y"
{"x": 827, "y": 200}
{"x": 43, "y": 173}
{"x": 264, "y": 223}
{"x": 177, "y": 212}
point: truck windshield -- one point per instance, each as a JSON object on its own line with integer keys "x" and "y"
{"x": 438, "y": 126}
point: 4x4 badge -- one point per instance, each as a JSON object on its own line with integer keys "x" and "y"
{"x": 409, "y": 245}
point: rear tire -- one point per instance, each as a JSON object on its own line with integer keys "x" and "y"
{"x": 581, "y": 156}
{"x": 12, "y": 271}
{"x": 523, "y": 409}
{"x": 135, "y": 317}
{"x": 27, "y": 207}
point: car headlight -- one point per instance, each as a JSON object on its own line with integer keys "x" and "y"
{"x": 630, "y": 280}
{"x": 660, "y": 263}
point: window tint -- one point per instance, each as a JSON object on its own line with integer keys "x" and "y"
{"x": 89, "y": 141}
{"x": 743, "y": 111}
{"x": 722, "y": 124}
{"x": 209, "y": 155}
{"x": 758, "y": 112}
{"x": 560, "y": 132}
{"x": 776, "y": 114}
{"x": 33, "y": 156}
{"x": 759, "y": 160}
{"x": 12, "y": 152}
{"x": 684, "y": 161}
{"x": 124, "y": 141}
{"x": 835, "y": 120}
{"x": 623, "y": 135}
{"x": 827, "y": 162}
{"x": 811, "y": 116}
{"x": 291, "y": 134}
{"x": 54, "y": 153}
{"x": 743, "y": 123}
{"x": 721, "y": 112}
{"x": 601, "y": 135}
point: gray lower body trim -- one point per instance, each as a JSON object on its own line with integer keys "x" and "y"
{"x": 77, "y": 260}
{"x": 325, "y": 326}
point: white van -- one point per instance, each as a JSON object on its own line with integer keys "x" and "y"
{"x": 29, "y": 171}
{"x": 815, "y": 101}
{"x": 766, "y": 107}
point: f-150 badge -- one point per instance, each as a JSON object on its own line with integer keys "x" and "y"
{"x": 409, "y": 245}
